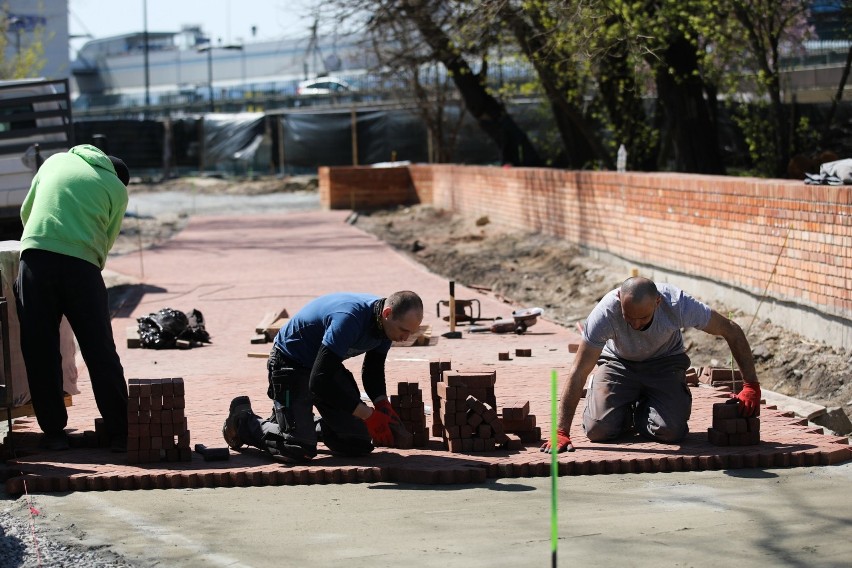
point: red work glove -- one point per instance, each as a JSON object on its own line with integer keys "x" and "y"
{"x": 749, "y": 398}
{"x": 563, "y": 443}
{"x": 384, "y": 405}
{"x": 378, "y": 424}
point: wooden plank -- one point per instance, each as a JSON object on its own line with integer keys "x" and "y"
{"x": 27, "y": 409}
{"x": 133, "y": 340}
{"x": 270, "y": 318}
{"x": 272, "y": 329}
{"x": 258, "y": 339}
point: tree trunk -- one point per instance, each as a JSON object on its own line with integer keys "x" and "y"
{"x": 491, "y": 114}
{"x": 693, "y": 133}
{"x": 580, "y": 141}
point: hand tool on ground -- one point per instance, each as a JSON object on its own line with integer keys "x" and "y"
{"x": 521, "y": 320}
{"x": 212, "y": 454}
{"x": 452, "y": 334}
{"x": 466, "y": 310}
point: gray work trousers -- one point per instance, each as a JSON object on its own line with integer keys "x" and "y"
{"x": 651, "y": 396}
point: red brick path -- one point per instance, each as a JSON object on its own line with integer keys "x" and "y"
{"x": 234, "y": 270}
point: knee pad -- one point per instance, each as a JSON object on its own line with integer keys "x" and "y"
{"x": 345, "y": 445}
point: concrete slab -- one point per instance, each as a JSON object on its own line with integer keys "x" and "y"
{"x": 793, "y": 517}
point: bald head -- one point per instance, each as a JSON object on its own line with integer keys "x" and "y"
{"x": 639, "y": 300}
{"x": 638, "y": 289}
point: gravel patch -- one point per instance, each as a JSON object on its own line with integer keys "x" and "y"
{"x": 25, "y": 544}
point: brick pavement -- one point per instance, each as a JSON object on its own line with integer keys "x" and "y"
{"x": 236, "y": 269}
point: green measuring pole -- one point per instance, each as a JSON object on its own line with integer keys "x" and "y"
{"x": 554, "y": 469}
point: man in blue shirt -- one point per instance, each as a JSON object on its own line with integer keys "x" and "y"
{"x": 634, "y": 337}
{"x": 305, "y": 369}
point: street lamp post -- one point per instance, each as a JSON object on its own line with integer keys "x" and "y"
{"x": 146, "y": 48}
{"x": 209, "y": 50}
{"x": 17, "y": 23}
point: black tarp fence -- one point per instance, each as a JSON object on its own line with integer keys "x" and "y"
{"x": 328, "y": 138}
{"x": 289, "y": 143}
{"x": 300, "y": 141}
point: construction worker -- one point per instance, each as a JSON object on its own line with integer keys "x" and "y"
{"x": 634, "y": 337}
{"x": 71, "y": 215}
{"x": 305, "y": 369}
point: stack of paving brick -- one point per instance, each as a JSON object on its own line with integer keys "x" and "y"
{"x": 518, "y": 420}
{"x": 436, "y": 370}
{"x": 408, "y": 403}
{"x": 730, "y": 429}
{"x": 480, "y": 385}
{"x": 469, "y": 425}
{"x": 465, "y": 408}
{"x": 156, "y": 422}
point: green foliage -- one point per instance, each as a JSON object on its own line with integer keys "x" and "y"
{"x": 29, "y": 61}
{"x": 757, "y": 129}
{"x": 806, "y": 137}
{"x": 599, "y": 65}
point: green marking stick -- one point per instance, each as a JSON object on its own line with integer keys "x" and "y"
{"x": 554, "y": 469}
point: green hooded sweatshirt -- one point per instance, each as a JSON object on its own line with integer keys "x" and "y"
{"x": 75, "y": 205}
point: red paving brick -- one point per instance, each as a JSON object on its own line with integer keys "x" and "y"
{"x": 236, "y": 269}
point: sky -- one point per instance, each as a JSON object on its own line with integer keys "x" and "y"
{"x": 230, "y": 20}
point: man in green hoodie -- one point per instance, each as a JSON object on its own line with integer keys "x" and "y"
{"x": 71, "y": 216}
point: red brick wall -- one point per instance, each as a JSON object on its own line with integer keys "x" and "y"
{"x": 366, "y": 188}
{"x": 729, "y": 229}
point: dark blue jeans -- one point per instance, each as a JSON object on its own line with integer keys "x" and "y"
{"x": 50, "y": 285}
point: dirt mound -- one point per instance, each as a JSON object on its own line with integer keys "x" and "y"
{"x": 535, "y": 270}
{"x": 213, "y": 185}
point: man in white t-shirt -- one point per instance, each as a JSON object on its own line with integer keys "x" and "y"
{"x": 634, "y": 337}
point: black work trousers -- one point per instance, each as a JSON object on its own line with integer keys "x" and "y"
{"x": 342, "y": 433}
{"x": 50, "y": 285}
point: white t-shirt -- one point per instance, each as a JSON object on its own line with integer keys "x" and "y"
{"x": 607, "y": 329}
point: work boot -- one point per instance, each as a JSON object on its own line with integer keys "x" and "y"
{"x": 286, "y": 451}
{"x": 230, "y": 430}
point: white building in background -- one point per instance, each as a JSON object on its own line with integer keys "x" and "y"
{"x": 186, "y": 62}
{"x": 26, "y": 20}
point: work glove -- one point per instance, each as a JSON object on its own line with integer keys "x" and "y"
{"x": 563, "y": 443}
{"x": 749, "y": 398}
{"x": 384, "y": 405}
{"x": 378, "y": 425}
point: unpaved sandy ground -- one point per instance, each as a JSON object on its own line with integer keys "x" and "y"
{"x": 531, "y": 270}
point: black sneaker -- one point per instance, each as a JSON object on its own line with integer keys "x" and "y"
{"x": 287, "y": 452}
{"x": 55, "y": 441}
{"x": 239, "y": 406}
